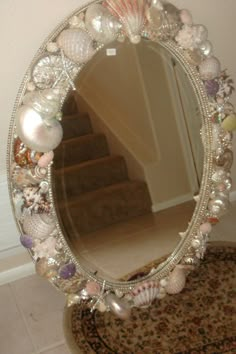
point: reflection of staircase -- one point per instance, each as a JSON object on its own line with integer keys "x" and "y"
{"x": 92, "y": 186}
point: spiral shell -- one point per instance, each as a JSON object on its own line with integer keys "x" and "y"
{"x": 46, "y": 159}
{"x": 45, "y": 102}
{"x": 102, "y": 26}
{"x": 210, "y": 68}
{"x": 131, "y": 14}
{"x": 39, "y": 226}
{"x": 225, "y": 160}
{"x": 23, "y": 155}
{"x": 145, "y": 293}
{"x": 77, "y": 45}
{"x": 35, "y": 133}
{"x": 177, "y": 280}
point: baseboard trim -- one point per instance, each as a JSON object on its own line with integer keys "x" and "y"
{"x": 16, "y": 273}
{"x": 170, "y": 203}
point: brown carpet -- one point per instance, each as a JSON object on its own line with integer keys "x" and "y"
{"x": 199, "y": 320}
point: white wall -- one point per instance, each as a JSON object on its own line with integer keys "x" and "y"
{"x": 24, "y": 24}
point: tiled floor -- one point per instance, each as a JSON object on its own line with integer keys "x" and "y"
{"x": 31, "y": 320}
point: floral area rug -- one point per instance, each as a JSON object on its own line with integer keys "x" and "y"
{"x": 202, "y": 319}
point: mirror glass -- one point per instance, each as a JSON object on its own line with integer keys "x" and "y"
{"x": 131, "y": 160}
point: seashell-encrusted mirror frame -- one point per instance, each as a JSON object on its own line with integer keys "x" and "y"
{"x": 35, "y": 115}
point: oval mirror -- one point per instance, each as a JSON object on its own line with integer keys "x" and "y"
{"x": 120, "y": 153}
{"x": 131, "y": 159}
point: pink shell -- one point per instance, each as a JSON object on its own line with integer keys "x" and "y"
{"x": 206, "y": 228}
{"x": 186, "y": 17}
{"x": 131, "y": 14}
{"x": 145, "y": 293}
{"x": 46, "y": 159}
{"x": 93, "y": 288}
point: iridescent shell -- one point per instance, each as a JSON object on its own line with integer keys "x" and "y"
{"x": 131, "y": 13}
{"x": 145, "y": 293}
{"x": 35, "y": 132}
{"x": 77, "y": 45}
{"x": 102, "y": 26}
{"x": 39, "y": 226}
{"x": 46, "y": 102}
{"x": 210, "y": 68}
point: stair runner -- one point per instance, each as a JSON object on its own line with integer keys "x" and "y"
{"x": 91, "y": 187}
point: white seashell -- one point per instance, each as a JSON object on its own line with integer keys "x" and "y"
{"x": 177, "y": 280}
{"x": 119, "y": 307}
{"x": 45, "y": 102}
{"x": 210, "y": 68}
{"x": 35, "y": 132}
{"x": 145, "y": 293}
{"x": 206, "y": 48}
{"x": 39, "y": 226}
{"x": 46, "y": 159}
{"x": 102, "y": 26}
{"x": 131, "y": 14}
{"x": 77, "y": 45}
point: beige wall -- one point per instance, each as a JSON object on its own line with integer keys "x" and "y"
{"x": 23, "y": 27}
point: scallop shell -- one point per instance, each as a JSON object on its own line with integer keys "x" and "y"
{"x": 102, "y": 26}
{"x": 77, "y": 45}
{"x": 145, "y": 293}
{"x": 131, "y": 14}
{"x": 39, "y": 226}
{"x": 210, "y": 68}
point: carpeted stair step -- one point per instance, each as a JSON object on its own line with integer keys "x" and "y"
{"x": 105, "y": 206}
{"x": 90, "y": 175}
{"x": 76, "y": 125}
{"x": 83, "y": 148}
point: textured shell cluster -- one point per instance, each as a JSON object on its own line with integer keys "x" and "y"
{"x": 38, "y": 132}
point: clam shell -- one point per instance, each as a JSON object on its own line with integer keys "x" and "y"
{"x": 131, "y": 14}
{"x": 102, "y": 26}
{"x": 77, "y": 45}
{"x": 210, "y": 68}
{"x": 39, "y": 226}
{"x": 145, "y": 293}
